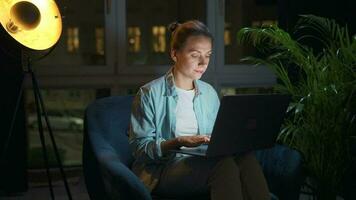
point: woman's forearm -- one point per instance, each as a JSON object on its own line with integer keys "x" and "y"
{"x": 171, "y": 144}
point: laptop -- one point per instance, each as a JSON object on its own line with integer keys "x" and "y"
{"x": 244, "y": 123}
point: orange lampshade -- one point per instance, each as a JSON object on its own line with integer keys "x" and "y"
{"x": 36, "y": 24}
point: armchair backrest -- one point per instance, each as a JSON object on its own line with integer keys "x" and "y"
{"x": 105, "y": 133}
{"x": 107, "y": 120}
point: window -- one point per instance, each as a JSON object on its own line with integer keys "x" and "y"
{"x": 82, "y": 41}
{"x": 65, "y": 111}
{"x": 147, "y": 35}
{"x": 242, "y": 13}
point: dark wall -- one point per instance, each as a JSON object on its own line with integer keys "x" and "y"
{"x": 13, "y": 162}
{"x": 340, "y": 10}
{"x": 289, "y": 12}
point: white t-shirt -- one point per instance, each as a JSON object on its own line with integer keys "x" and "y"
{"x": 186, "y": 121}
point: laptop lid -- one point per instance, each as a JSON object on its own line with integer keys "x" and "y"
{"x": 247, "y": 122}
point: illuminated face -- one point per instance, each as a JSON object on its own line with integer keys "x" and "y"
{"x": 192, "y": 60}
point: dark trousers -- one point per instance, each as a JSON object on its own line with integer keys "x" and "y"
{"x": 237, "y": 178}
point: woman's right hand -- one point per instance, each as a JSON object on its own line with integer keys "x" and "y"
{"x": 193, "y": 141}
{"x": 187, "y": 141}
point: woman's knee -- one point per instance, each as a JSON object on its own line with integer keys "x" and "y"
{"x": 227, "y": 166}
{"x": 225, "y": 173}
{"x": 246, "y": 159}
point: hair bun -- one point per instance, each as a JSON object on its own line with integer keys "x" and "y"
{"x": 173, "y": 26}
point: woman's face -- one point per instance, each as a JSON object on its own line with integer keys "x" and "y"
{"x": 192, "y": 60}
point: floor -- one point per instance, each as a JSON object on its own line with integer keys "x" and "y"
{"x": 38, "y": 187}
{"x": 38, "y": 190}
{"x": 78, "y": 192}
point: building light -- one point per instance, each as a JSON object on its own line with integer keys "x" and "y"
{"x": 72, "y": 39}
{"x": 227, "y": 34}
{"x": 100, "y": 41}
{"x": 134, "y": 39}
{"x": 159, "y": 39}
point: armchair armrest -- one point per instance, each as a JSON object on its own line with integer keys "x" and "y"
{"x": 106, "y": 176}
{"x": 282, "y": 167}
{"x": 120, "y": 182}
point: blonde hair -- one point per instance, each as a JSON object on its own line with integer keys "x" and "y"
{"x": 181, "y": 32}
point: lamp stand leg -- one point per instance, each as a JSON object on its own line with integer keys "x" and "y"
{"x": 41, "y": 134}
{"x": 41, "y": 108}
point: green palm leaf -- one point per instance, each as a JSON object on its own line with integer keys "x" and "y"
{"x": 322, "y": 111}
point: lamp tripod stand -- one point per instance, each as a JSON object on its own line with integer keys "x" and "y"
{"x": 35, "y": 25}
{"x": 40, "y": 109}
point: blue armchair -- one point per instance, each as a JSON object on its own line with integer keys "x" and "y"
{"x": 107, "y": 157}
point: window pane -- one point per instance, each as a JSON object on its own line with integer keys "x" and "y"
{"x": 83, "y": 36}
{"x": 242, "y": 13}
{"x": 65, "y": 110}
{"x": 147, "y": 34}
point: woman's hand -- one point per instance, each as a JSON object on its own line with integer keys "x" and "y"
{"x": 187, "y": 141}
{"x": 193, "y": 141}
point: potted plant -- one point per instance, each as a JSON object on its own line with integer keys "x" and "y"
{"x": 322, "y": 111}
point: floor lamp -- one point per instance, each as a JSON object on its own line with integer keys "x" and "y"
{"x": 35, "y": 25}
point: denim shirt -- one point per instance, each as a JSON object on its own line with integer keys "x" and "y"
{"x": 153, "y": 121}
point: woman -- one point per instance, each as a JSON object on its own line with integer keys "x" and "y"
{"x": 178, "y": 110}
